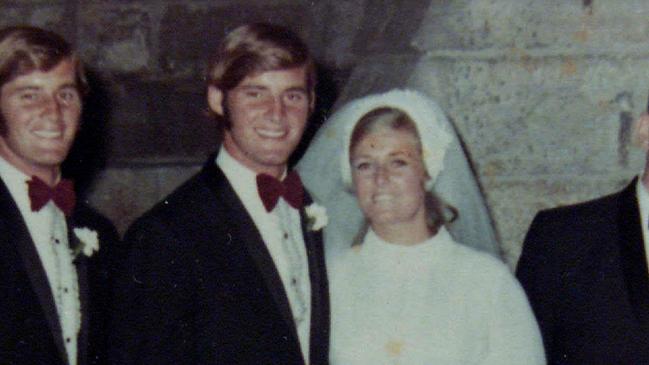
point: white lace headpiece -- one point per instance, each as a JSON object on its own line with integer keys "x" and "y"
{"x": 427, "y": 115}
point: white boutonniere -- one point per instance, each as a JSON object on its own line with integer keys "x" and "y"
{"x": 89, "y": 241}
{"x": 317, "y": 217}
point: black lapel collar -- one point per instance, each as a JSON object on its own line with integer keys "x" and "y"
{"x": 319, "y": 336}
{"x": 633, "y": 257}
{"x": 244, "y": 227}
{"x": 18, "y": 236}
{"x": 81, "y": 265}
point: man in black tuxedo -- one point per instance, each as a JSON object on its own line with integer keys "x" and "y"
{"x": 53, "y": 282}
{"x": 584, "y": 268}
{"x": 229, "y": 268}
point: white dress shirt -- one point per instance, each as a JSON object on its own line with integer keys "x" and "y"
{"x": 643, "y": 205}
{"x": 281, "y": 231}
{"x": 49, "y": 232}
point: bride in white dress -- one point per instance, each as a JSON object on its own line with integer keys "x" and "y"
{"x": 406, "y": 292}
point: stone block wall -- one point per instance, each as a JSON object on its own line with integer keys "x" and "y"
{"x": 543, "y": 93}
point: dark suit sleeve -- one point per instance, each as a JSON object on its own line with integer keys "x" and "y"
{"x": 153, "y": 306}
{"x": 537, "y": 273}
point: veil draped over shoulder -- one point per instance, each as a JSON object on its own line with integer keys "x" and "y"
{"x": 456, "y": 184}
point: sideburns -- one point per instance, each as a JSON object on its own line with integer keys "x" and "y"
{"x": 227, "y": 124}
{"x": 3, "y": 125}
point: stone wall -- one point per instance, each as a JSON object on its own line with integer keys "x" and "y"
{"x": 542, "y": 92}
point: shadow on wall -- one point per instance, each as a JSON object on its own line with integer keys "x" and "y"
{"x": 327, "y": 92}
{"x": 89, "y": 152}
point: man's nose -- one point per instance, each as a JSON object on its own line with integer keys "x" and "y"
{"x": 52, "y": 105}
{"x": 381, "y": 175}
{"x": 277, "y": 108}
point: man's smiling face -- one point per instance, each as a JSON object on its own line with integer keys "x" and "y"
{"x": 267, "y": 112}
{"x": 41, "y": 112}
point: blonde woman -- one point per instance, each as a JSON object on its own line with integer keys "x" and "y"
{"x": 406, "y": 292}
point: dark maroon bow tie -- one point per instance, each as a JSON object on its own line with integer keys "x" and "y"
{"x": 62, "y": 195}
{"x": 270, "y": 189}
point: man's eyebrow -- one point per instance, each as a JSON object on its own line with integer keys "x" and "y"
{"x": 297, "y": 88}
{"x": 26, "y": 88}
{"x": 400, "y": 153}
{"x": 252, "y": 87}
{"x": 68, "y": 85}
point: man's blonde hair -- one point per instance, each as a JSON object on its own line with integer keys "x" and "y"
{"x": 255, "y": 48}
{"x": 24, "y": 49}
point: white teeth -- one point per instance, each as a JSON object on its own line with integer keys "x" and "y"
{"x": 48, "y": 134}
{"x": 270, "y": 133}
{"x": 382, "y": 198}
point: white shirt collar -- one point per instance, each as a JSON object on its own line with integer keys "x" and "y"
{"x": 643, "y": 197}
{"x": 244, "y": 182}
{"x": 643, "y": 205}
{"x": 16, "y": 182}
{"x": 234, "y": 170}
{"x": 642, "y": 194}
{"x": 242, "y": 179}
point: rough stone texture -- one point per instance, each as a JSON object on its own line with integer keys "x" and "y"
{"x": 184, "y": 49}
{"x": 545, "y": 111}
{"x": 51, "y": 15}
{"x": 118, "y": 37}
{"x": 543, "y": 93}
{"x": 529, "y": 24}
{"x": 339, "y": 31}
{"x": 160, "y": 122}
{"x": 565, "y": 116}
{"x": 379, "y": 75}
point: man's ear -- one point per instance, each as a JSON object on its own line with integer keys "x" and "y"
{"x": 215, "y": 99}
{"x": 641, "y": 132}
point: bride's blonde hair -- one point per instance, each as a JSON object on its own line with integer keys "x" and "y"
{"x": 438, "y": 212}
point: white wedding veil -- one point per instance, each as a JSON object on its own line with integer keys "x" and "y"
{"x": 456, "y": 184}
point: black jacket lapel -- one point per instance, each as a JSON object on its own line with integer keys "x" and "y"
{"x": 245, "y": 228}
{"x": 20, "y": 238}
{"x": 633, "y": 257}
{"x": 81, "y": 265}
{"x": 319, "y": 336}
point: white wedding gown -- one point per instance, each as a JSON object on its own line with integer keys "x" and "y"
{"x": 437, "y": 302}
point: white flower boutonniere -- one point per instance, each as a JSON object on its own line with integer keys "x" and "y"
{"x": 317, "y": 217}
{"x": 89, "y": 241}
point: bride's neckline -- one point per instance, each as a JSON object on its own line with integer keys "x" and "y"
{"x": 374, "y": 243}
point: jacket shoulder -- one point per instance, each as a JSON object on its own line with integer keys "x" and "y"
{"x": 572, "y": 231}
{"x": 181, "y": 207}
{"x": 86, "y": 216}
{"x": 587, "y": 212}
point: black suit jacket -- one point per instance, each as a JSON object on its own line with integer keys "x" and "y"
{"x": 200, "y": 287}
{"x": 30, "y": 330}
{"x": 585, "y": 272}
